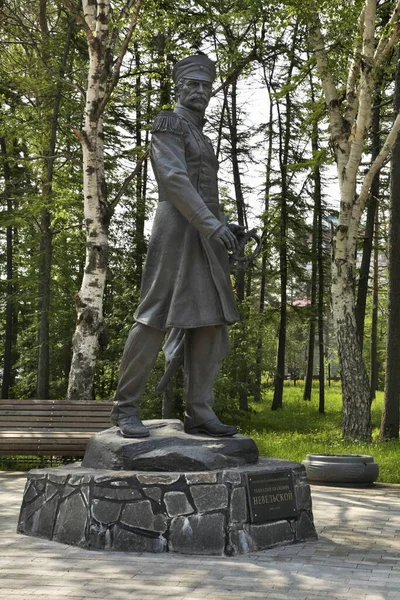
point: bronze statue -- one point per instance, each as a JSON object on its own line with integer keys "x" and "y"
{"x": 186, "y": 288}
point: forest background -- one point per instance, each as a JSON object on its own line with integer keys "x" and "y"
{"x": 81, "y": 83}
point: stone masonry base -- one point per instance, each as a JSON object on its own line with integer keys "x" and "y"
{"x": 191, "y": 513}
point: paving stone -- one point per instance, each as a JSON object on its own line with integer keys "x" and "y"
{"x": 154, "y": 493}
{"x": 198, "y": 534}
{"x": 201, "y": 478}
{"x": 270, "y": 534}
{"x": 177, "y": 504}
{"x": 304, "y": 528}
{"x": 238, "y": 506}
{"x": 31, "y": 491}
{"x": 47, "y": 516}
{"x": 159, "y": 479}
{"x": 231, "y": 477}
{"x": 78, "y": 480}
{"x": 303, "y": 497}
{"x": 71, "y": 521}
{"x": 209, "y": 497}
{"x": 115, "y": 493}
{"x": 29, "y": 515}
{"x": 105, "y": 511}
{"x": 140, "y": 514}
{"x": 124, "y": 540}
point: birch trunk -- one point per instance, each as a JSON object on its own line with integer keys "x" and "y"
{"x": 102, "y": 36}
{"x": 348, "y": 128}
{"x": 355, "y": 383}
{"x": 89, "y": 300}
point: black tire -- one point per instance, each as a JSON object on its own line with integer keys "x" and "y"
{"x": 341, "y": 468}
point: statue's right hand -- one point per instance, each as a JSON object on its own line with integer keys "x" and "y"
{"x": 224, "y": 236}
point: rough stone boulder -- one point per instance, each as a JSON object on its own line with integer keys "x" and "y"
{"x": 168, "y": 448}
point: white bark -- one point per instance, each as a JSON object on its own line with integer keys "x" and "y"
{"x": 97, "y": 211}
{"x": 364, "y": 106}
{"x": 378, "y": 162}
{"x": 387, "y": 43}
{"x": 355, "y": 383}
{"x": 336, "y": 121}
{"x": 89, "y": 300}
{"x": 353, "y": 77}
{"x": 348, "y": 140}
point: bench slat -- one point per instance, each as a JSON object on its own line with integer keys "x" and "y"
{"x": 62, "y": 431}
{"x": 50, "y": 427}
{"x": 29, "y": 426}
{"x": 34, "y": 402}
{"x": 43, "y": 434}
{"x": 49, "y": 451}
{"x": 53, "y": 417}
{"x": 54, "y": 410}
{"x": 39, "y": 440}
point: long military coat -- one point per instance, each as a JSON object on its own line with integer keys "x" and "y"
{"x": 186, "y": 281}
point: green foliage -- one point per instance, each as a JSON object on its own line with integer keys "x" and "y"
{"x": 252, "y": 42}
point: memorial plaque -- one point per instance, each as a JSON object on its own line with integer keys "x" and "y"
{"x": 271, "y": 496}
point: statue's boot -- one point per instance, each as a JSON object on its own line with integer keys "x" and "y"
{"x": 127, "y": 419}
{"x": 213, "y": 428}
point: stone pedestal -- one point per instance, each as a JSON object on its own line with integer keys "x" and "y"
{"x": 204, "y": 512}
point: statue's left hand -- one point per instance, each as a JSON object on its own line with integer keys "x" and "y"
{"x": 238, "y": 230}
{"x": 224, "y": 235}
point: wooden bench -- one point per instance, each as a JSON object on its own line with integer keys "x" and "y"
{"x": 50, "y": 427}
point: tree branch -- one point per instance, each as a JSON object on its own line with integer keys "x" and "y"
{"x": 337, "y": 122}
{"x": 120, "y": 58}
{"x": 35, "y": 45}
{"x": 386, "y": 44}
{"x": 80, "y": 19}
{"x": 78, "y": 135}
{"x": 379, "y": 162}
{"x": 237, "y": 70}
{"x": 124, "y": 12}
{"x": 99, "y": 20}
{"x": 128, "y": 179}
{"x": 365, "y": 97}
{"x": 354, "y": 73}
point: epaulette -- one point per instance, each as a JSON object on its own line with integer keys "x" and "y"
{"x": 167, "y": 120}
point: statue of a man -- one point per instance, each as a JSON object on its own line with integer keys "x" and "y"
{"x": 186, "y": 287}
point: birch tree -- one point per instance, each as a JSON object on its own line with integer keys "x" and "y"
{"x": 107, "y": 40}
{"x": 349, "y": 120}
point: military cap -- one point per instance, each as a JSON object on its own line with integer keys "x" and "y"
{"x": 198, "y": 66}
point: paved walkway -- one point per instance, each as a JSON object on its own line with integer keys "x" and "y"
{"x": 357, "y": 557}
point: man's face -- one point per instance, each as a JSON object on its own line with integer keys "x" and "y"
{"x": 195, "y": 94}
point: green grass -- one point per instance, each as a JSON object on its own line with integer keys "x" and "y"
{"x": 299, "y": 429}
{"x": 25, "y": 463}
